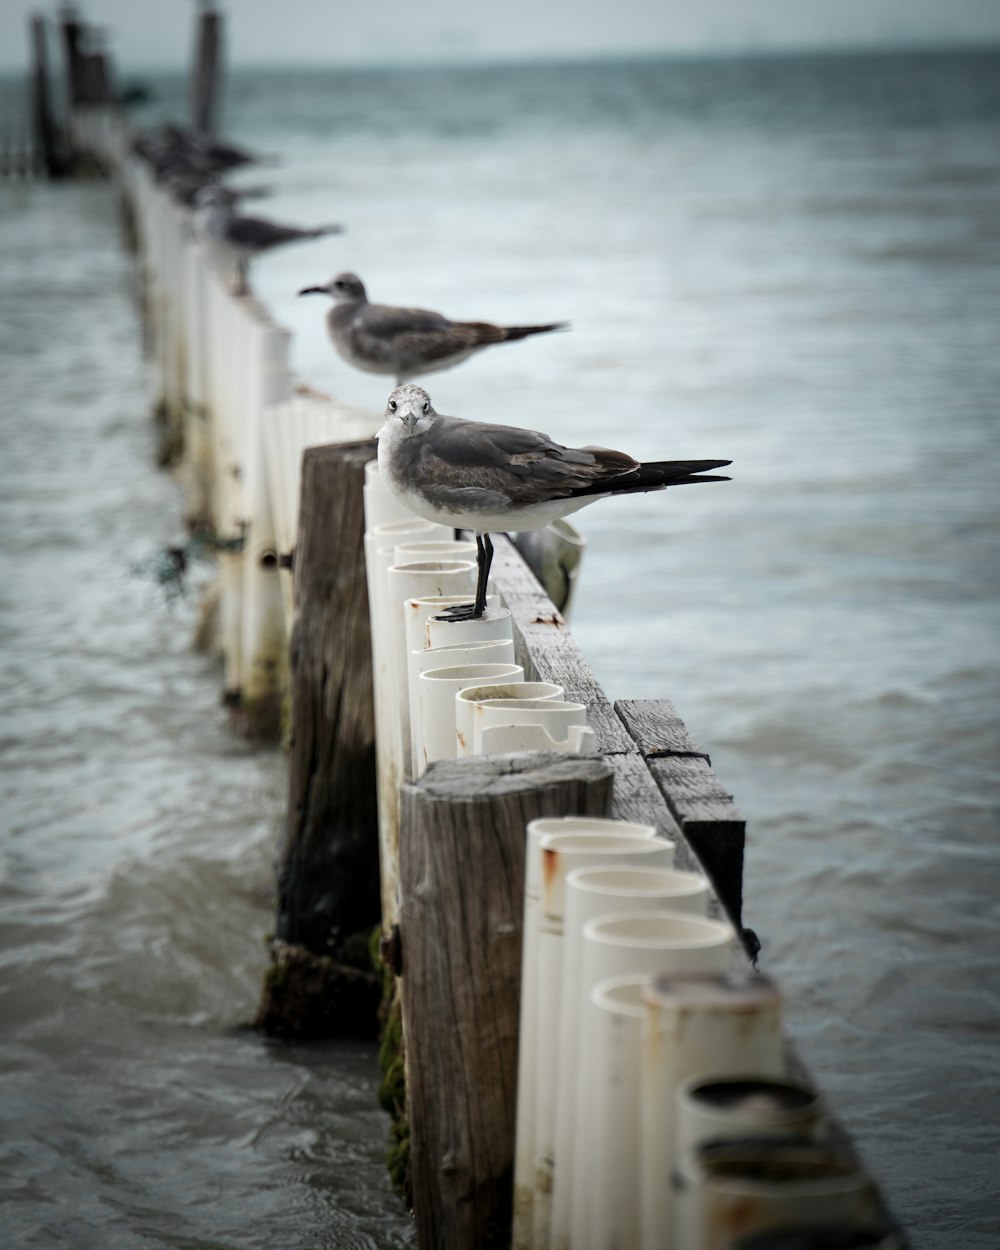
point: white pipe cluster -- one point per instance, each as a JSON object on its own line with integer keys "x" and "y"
{"x": 224, "y": 390}
{"x": 443, "y": 688}
{"x": 651, "y": 1075}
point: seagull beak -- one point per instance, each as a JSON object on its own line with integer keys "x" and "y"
{"x": 410, "y": 421}
{"x": 314, "y": 290}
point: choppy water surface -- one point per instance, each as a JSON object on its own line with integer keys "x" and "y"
{"x": 794, "y": 263}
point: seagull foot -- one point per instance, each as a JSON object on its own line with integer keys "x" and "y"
{"x": 459, "y": 612}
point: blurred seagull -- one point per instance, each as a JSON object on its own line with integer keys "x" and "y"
{"x": 491, "y": 478}
{"x": 215, "y": 222}
{"x": 184, "y": 185}
{"x": 169, "y": 148}
{"x": 405, "y": 342}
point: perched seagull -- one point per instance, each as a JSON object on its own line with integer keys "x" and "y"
{"x": 489, "y": 478}
{"x": 184, "y": 185}
{"x": 244, "y": 237}
{"x": 169, "y": 148}
{"x": 405, "y": 342}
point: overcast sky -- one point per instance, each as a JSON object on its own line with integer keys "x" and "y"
{"x": 148, "y": 33}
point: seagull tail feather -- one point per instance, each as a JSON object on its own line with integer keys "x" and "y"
{"x": 657, "y": 475}
{"x": 510, "y": 333}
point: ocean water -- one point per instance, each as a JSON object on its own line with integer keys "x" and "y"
{"x": 791, "y": 262}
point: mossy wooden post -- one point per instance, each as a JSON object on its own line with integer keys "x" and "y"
{"x": 322, "y": 983}
{"x": 205, "y": 75}
{"x": 461, "y": 899}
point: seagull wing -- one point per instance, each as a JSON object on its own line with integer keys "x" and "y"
{"x": 416, "y": 334}
{"x": 523, "y": 466}
{"x": 259, "y": 233}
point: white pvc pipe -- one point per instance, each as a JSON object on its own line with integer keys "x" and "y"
{"x": 496, "y": 622}
{"x": 381, "y": 505}
{"x": 609, "y": 1218}
{"x": 590, "y": 893}
{"x": 505, "y": 739}
{"x": 713, "y": 1026}
{"x": 726, "y": 1191}
{"x": 414, "y": 580}
{"x": 524, "y": 1151}
{"x": 486, "y": 651}
{"x": 532, "y": 693}
{"x": 561, "y": 853}
{"x": 434, "y": 549}
{"x": 263, "y": 646}
{"x": 707, "y": 1107}
{"x": 555, "y": 724}
{"x": 495, "y": 626}
{"x": 435, "y": 724}
{"x": 380, "y": 546}
{"x": 634, "y": 944}
{"x": 423, "y": 631}
{"x": 402, "y": 582}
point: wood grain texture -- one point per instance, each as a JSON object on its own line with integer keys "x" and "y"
{"x": 328, "y": 866}
{"x": 701, "y": 805}
{"x": 656, "y": 729}
{"x": 462, "y": 892}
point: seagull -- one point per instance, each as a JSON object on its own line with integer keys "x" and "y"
{"x": 405, "y": 342}
{"x": 245, "y": 237}
{"x": 184, "y": 184}
{"x": 487, "y": 478}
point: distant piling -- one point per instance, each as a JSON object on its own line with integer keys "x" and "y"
{"x": 48, "y": 141}
{"x": 205, "y": 88}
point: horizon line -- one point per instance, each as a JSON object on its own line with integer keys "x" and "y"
{"x": 471, "y": 57}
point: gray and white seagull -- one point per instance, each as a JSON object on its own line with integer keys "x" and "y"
{"x": 217, "y": 223}
{"x": 489, "y": 478}
{"x": 405, "y": 342}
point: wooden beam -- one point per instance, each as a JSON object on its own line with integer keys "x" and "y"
{"x": 700, "y": 804}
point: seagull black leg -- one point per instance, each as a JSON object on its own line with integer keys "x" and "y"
{"x": 485, "y": 562}
{"x": 473, "y": 611}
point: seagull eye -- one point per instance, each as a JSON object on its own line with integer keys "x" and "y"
{"x": 392, "y": 405}
{"x": 426, "y": 405}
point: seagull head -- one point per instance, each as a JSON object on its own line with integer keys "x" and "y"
{"x": 410, "y": 405}
{"x": 343, "y": 288}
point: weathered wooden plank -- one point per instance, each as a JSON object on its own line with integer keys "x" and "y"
{"x": 699, "y": 803}
{"x": 462, "y": 893}
{"x": 656, "y": 728}
{"x": 328, "y": 879}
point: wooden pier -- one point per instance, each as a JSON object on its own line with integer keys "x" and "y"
{"x": 274, "y": 479}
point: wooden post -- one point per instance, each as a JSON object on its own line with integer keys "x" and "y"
{"x": 72, "y": 33}
{"x": 322, "y": 983}
{"x": 700, "y": 804}
{"x": 205, "y": 72}
{"x": 46, "y": 136}
{"x": 462, "y": 894}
